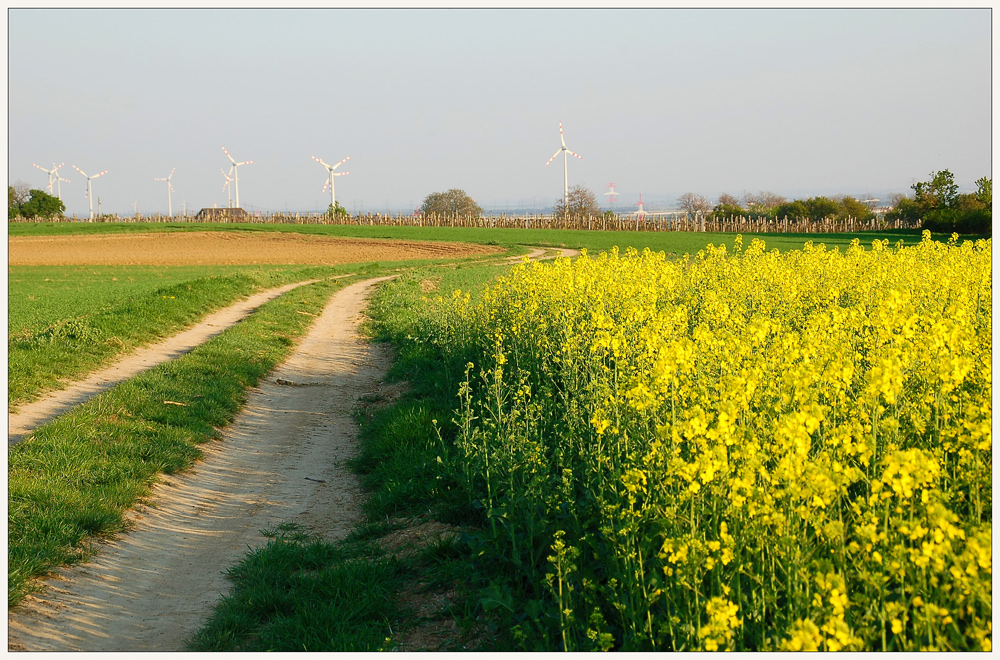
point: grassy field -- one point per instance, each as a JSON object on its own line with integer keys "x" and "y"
{"x": 66, "y": 321}
{"x": 677, "y": 243}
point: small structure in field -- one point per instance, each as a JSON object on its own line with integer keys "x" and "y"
{"x": 222, "y": 214}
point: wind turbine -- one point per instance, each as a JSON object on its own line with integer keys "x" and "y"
{"x": 53, "y": 176}
{"x": 564, "y": 151}
{"x": 229, "y": 179}
{"x": 90, "y": 193}
{"x": 236, "y": 174}
{"x": 329, "y": 182}
{"x": 170, "y": 189}
{"x": 59, "y": 181}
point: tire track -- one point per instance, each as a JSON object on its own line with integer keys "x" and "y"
{"x": 282, "y": 459}
{"x": 52, "y": 404}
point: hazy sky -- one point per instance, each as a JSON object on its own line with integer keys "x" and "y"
{"x": 659, "y": 101}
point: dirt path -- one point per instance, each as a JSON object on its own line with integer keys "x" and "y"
{"x": 281, "y": 460}
{"x": 32, "y": 415}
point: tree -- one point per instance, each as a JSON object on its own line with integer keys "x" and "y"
{"x": 337, "y": 213}
{"x": 854, "y": 208}
{"x": 793, "y": 210}
{"x": 984, "y": 192}
{"x": 21, "y": 192}
{"x": 693, "y": 203}
{"x": 728, "y": 206}
{"x": 40, "y": 204}
{"x": 13, "y": 208}
{"x": 821, "y": 208}
{"x": 582, "y": 203}
{"x": 764, "y": 200}
{"x": 941, "y": 192}
{"x": 725, "y": 199}
{"x": 453, "y": 202}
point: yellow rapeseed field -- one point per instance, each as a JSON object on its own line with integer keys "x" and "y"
{"x": 741, "y": 449}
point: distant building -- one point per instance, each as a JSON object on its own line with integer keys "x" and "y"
{"x": 222, "y": 214}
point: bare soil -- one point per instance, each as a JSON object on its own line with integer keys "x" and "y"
{"x": 225, "y": 248}
{"x": 282, "y": 460}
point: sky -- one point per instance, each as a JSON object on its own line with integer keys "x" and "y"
{"x": 799, "y": 102}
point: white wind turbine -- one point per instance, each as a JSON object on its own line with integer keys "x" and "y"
{"x": 53, "y": 176}
{"x": 90, "y": 192}
{"x": 330, "y": 169}
{"x": 564, "y": 152}
{"x": 170, "y": 189}
{"x": 236, "y": 174}
{"x": 59, "y": 181}
{"x": 229, "y": 178}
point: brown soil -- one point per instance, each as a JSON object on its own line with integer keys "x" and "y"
{"x": 224, "y": 248}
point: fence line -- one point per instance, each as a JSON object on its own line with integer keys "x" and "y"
{"x": 629, "y": 222}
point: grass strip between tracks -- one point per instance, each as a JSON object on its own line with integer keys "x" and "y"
{"x": 367, "y": 592}
{"x": 73, "y": 480}
{"x": 88, "y": 326}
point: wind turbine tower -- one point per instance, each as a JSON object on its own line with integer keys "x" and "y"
{"x": 170, "y": 189}
{"x": 59, "y": 181}
{"x": 229, "y": 178}
{"x": 53, "y": 176}
{"x": 565, "y": 153}
{"x": 236, "y": 174}
{"x": 90, "y": 192}
{"x": 330, "y": 169}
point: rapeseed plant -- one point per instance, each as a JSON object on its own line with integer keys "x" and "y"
{"x": 739, "y": 450}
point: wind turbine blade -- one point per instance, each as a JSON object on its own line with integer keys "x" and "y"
{"x": 320, "y": 161}
{"x": 101, "y": 174}
{"x": 554, "y": 157}
{"x": 339, "y": 173}
{"x": 227, "y": 155}
{"x": 42, "y": 168}
{"x": 574, "y": 154}
{"x": 246, "y": 162}
{"x": 561, "y": 138}
{"x": 80, "y": 171}
{"x": 341, "y": 163}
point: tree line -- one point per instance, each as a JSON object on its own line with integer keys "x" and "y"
{"x": 936, "y": 203}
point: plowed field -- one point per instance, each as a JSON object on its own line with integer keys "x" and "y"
{"x": 224, "y": 248}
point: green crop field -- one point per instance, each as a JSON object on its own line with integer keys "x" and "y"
{"x": 677, "y": 243}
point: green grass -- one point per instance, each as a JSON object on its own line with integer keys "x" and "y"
{"x": 299, "y": 593}
{"x": 73, "y": 479}
{"x": 595, "y": 241}
{"x": 66, "y": 321}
